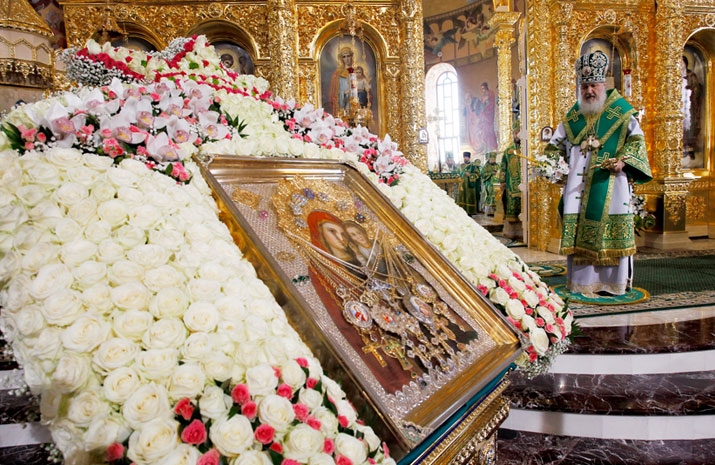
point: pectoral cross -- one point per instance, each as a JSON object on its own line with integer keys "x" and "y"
{"x": 394, "y": 348}
{"x": 373, "y": 348}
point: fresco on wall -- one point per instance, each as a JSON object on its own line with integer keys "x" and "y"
{"x": 51, "y": 12}
{"x": 459, "y": 34}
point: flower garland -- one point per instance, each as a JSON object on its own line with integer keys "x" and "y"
{"x": 123, "y": 321}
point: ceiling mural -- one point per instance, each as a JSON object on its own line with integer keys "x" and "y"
{"x": 462, "y": 34}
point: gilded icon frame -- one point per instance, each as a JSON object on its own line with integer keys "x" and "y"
{"x": 243, "y": 186}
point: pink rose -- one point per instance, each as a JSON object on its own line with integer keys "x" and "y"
{"x": 195, "y": 433}
{"x": 184, "y": 408}
{"x": 264, "y": 434}
{"x": 240, "y": 394}
{"x": 212, "y": 457}
{"x": 249, "y": 409}
{"x": 115, "y": 451}
{"x": 285, "y": 390}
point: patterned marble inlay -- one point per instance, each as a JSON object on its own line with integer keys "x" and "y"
{"x": 520, "y": 448}
{"x": 651, "y": 394}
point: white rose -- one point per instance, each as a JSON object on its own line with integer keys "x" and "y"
{"x": 276, "y": 411}
{"x": 163, "y": 277}
{"x": 328, "y": 420}
{"x": 214, "y": 403}
{"x": 292, "y": 374}
{"x": 17, "y": 294}
{"x": 64, "y": 157}
{"x": 145, "y": 404}
{"x": 252, "y": 457}
{"x": 62, "y": 308}
{"x": 98, "y": 297}
{"x": 77, "y": 251}
{"x": 50, "y": 279}
{"x": 201, "y": 316}
{"x": 346, "y": 409}
{"x": 31, "y": 194}
{"x": 373, "y": 440}
{"x": 131, "y": 296}
{"x": 321, "y": 459}
{"x": 261, "y": 380}
{"x": 154, "y": 441}
{"x": 528, "y": 323}
{"x": 129, "y": 236}
{"x": 83, "y": 175}
{"x": 125, "y": 271}
{"x": 70, "y": 193}
{"x": 85, "y": 407}
{"x": 86, "y": 332}
{"x": 98, "y": 231}
{"x": 231, "y": 307}
{"x": 169, "y": 302}
{"x": 115, "y": 353}
{"x": 167, "y": 333}
{"x": 120, "y": 384}
{"x": 29, "y": 320}
{"x": 184, "y": 454}
{"x": 11, "y": 217}
{"x": 113, "y": 211}
{"x": 102, "y": 191}
{"x": 540, "y": 340}
{"x": 125, "y": 177}
{"x": 102, "y": 432}
{"x": 84, "y": 212}
{"x": 131, "y": 324}
{"x": 89, "y": 273}
{"x": 187, "y": 380}
{"x": 110, "y": 251}
{"x": 46, "y": 214}
{"x": 196, "y": 346}
{"x": 499, "y": 296}
{"x": 351, "y": 447}
{"x": 50, "y": 402}
{"x": 333, "y": 389}
{"x": 546, "y": 314}
{"x": 172, "y": 239}
{"x": 232, "y": 436}
{"x": 46, "y": 346}
{"x": 27, "y": 236}
{"x": 12, "y": 262}
{"x": 517, "y": 284}
{"x": 206, "y": 290}
{"x": 302, "y": 442}
{"x": 156, "y": 364}
{"x": 67, "y": 229}
{"x": 218, "y": 366}
{"x": 130, "y": 196}
{"x": 149, "y": 255}
{"x": 145, "y": 216}
{"x": 531, "y": 298}
{"x": 71, "y": 373}
{"x": 310, "y": 398}
{"x": 515, "y": 309}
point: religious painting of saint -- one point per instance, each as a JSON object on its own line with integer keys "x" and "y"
{"x": 234, "y": 57}
{"x": 389, "y": 317}
{"x": 693, "y": 102}
{"x": 348, "y": 68}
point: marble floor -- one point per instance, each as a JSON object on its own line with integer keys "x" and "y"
{"x": 637, "y": 388}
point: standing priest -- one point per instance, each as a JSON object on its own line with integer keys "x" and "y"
{"x": 604, "y": 146}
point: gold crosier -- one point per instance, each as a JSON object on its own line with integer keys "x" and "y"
{"x": 394, "y": 310}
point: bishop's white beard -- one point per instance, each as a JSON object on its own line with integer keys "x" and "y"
{"x": 592, "y": 108}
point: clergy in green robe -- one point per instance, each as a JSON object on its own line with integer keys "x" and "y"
{"x": 490, "y": 175}
{"x": 603, "y": 143}
{"x": 468, "y": 195}
{"x": 510, "y": 178}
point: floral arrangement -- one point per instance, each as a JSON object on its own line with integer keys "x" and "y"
{"x": 129, "y": 306}
{"x": 642, "y": 218}
{"x": 549, "y": 167}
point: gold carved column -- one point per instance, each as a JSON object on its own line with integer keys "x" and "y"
{"x": 669, "y": 184}
{"x": 413, "y": 78}
{"x": 283, "y": 47}
{"x": 504, "y": 23}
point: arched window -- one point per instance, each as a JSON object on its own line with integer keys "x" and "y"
{"x": 443, "y": 106}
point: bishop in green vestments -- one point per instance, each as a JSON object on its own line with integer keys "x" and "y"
{"x": 468, "y": 195}
{"x": 603, "y": 143}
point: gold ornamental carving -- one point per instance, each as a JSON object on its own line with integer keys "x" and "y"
{"x": 674, "y": 205}
{"x": 283, "y": 29}
{"x": 696, "y": 207}
{"x": 504, "y": 23}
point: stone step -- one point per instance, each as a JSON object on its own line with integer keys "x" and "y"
{"x": 642, "y": 394}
